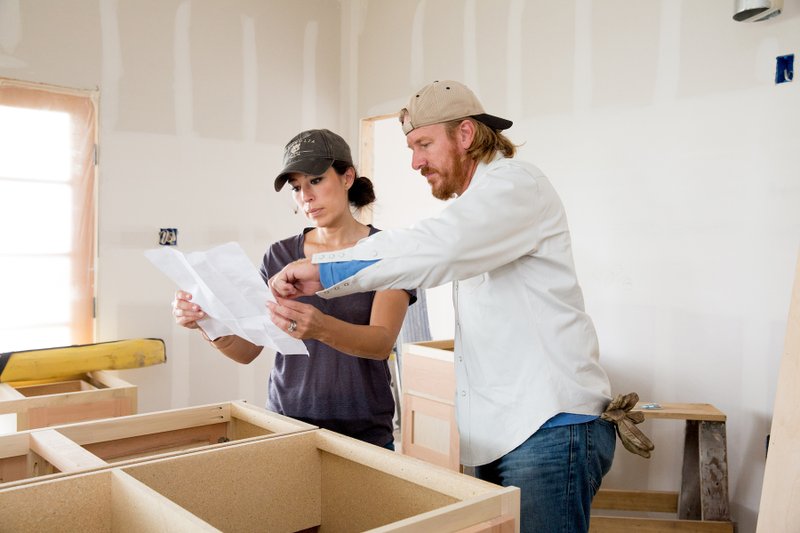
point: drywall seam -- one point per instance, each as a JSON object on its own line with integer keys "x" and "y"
{"x": 10, "y": 26}
{"x": 309, "y": 109}
{"x": 471, "y": 46}
{"x": 582, "y": 79}
{"x": 417, "y": 59}
{"x": 669, "y": 50}
{"x": 249, "y": 79}
{"x": 111, "y": 63}
{"x": 184, "y": 102}
{"x": 514, "y": 55}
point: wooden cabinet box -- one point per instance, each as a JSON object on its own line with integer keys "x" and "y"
{"x": 310, "y": 481}
{"x": 28, "y": 455}
{"x": 57, "y": 401}
{"x": 429, "y": 430}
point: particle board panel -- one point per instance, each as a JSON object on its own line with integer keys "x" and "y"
{"x": 81, "y": 505}
{"x": 97, "y": 502}
{"x": 273, "y": 486}
{"x": 476, "y": 501}
{"x": 780, "y": 492}
{"x": 360, "y": 498}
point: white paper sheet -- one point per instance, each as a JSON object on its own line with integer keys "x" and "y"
{"x": 226, "y": 285}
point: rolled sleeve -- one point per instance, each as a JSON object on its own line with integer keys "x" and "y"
{"x": 332, "y": 273}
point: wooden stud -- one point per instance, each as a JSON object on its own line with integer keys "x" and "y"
{"x": 689, "y": 499}
{"x": 63, "y": 453}
{"x": 713, "y": 474}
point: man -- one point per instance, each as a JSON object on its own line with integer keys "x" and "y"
{"x": 529, "y": 386}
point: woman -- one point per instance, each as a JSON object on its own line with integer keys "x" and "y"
{"x": 343, "y": 385}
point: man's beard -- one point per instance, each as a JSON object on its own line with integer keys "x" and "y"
{"x": 451, "y": 180}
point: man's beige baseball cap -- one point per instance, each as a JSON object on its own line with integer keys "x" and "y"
{"x": 443, "y": 101}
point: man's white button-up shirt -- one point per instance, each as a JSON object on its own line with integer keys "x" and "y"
{"x": 525, "y": 348}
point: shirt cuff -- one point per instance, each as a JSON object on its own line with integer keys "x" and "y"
{"x": 332, "y": 273}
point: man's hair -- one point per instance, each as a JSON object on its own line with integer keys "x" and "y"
{"x": 487, "y": 142}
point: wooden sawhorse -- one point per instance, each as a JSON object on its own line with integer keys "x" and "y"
{"x": 702, "y": 504}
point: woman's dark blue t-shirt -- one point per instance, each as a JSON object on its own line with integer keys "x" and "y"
{"x": 330, "y": 389}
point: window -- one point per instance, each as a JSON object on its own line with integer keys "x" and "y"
{"x": 47, "y": 215}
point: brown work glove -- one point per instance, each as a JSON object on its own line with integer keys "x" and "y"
{"x": 618, "y": 412}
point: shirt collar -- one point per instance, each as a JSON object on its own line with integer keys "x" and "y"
{"x": 482, "y": 167}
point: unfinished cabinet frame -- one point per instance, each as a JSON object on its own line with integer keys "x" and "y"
{"x": 32, "y": 455}
{"x": 56, "y": 401}
{"x": 428, "y": 411}
{"x": 310, "y": 481}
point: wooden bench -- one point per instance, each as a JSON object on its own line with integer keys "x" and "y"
{"x": 702, "y": 502}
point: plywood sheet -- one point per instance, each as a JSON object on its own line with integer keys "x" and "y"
{"x": 780, "y": 493}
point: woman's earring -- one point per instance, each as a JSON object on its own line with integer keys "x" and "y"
{"x": 295, "y": 210}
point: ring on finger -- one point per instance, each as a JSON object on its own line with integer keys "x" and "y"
{"x": 292, "y": 326}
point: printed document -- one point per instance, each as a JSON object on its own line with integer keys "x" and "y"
{"x": 229, "y": 289}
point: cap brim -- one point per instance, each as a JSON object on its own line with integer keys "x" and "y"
{"x": 311, "y": 167}
{"x": 496, "y": 123}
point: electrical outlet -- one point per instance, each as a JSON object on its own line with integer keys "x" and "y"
{"x": 168, "y": 237}
{"x": 784, "y": 68}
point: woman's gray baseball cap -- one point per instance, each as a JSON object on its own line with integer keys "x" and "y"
{"x": 312, "y": 152}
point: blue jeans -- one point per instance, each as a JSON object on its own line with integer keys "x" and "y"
{"x": 558, "y": 471}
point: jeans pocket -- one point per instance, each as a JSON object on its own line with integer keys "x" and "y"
{"x": 603, "y": 439}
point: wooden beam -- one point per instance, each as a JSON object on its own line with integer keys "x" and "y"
{"x": 61, "y": 452}
{"x": 689, "y": 501}
{"x": 624, "y": 524}
{"x": 683, "y": 411}
{"x": 146, "y": 423}
{"x": 636, "y": 500}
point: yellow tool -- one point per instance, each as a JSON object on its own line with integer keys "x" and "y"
{"x": 73, "y": 360}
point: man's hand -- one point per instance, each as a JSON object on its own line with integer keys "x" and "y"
{"x": 300, "y": 278}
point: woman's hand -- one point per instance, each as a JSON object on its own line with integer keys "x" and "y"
{"x": 308, "y": 320}
{"x": 185, "y": 312}
{"x": 300, "y": 278}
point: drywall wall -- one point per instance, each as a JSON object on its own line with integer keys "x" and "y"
{"x": 660, "y": 125}
{"x": 197, "y": 100}
{"x": 657, "y": 121}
